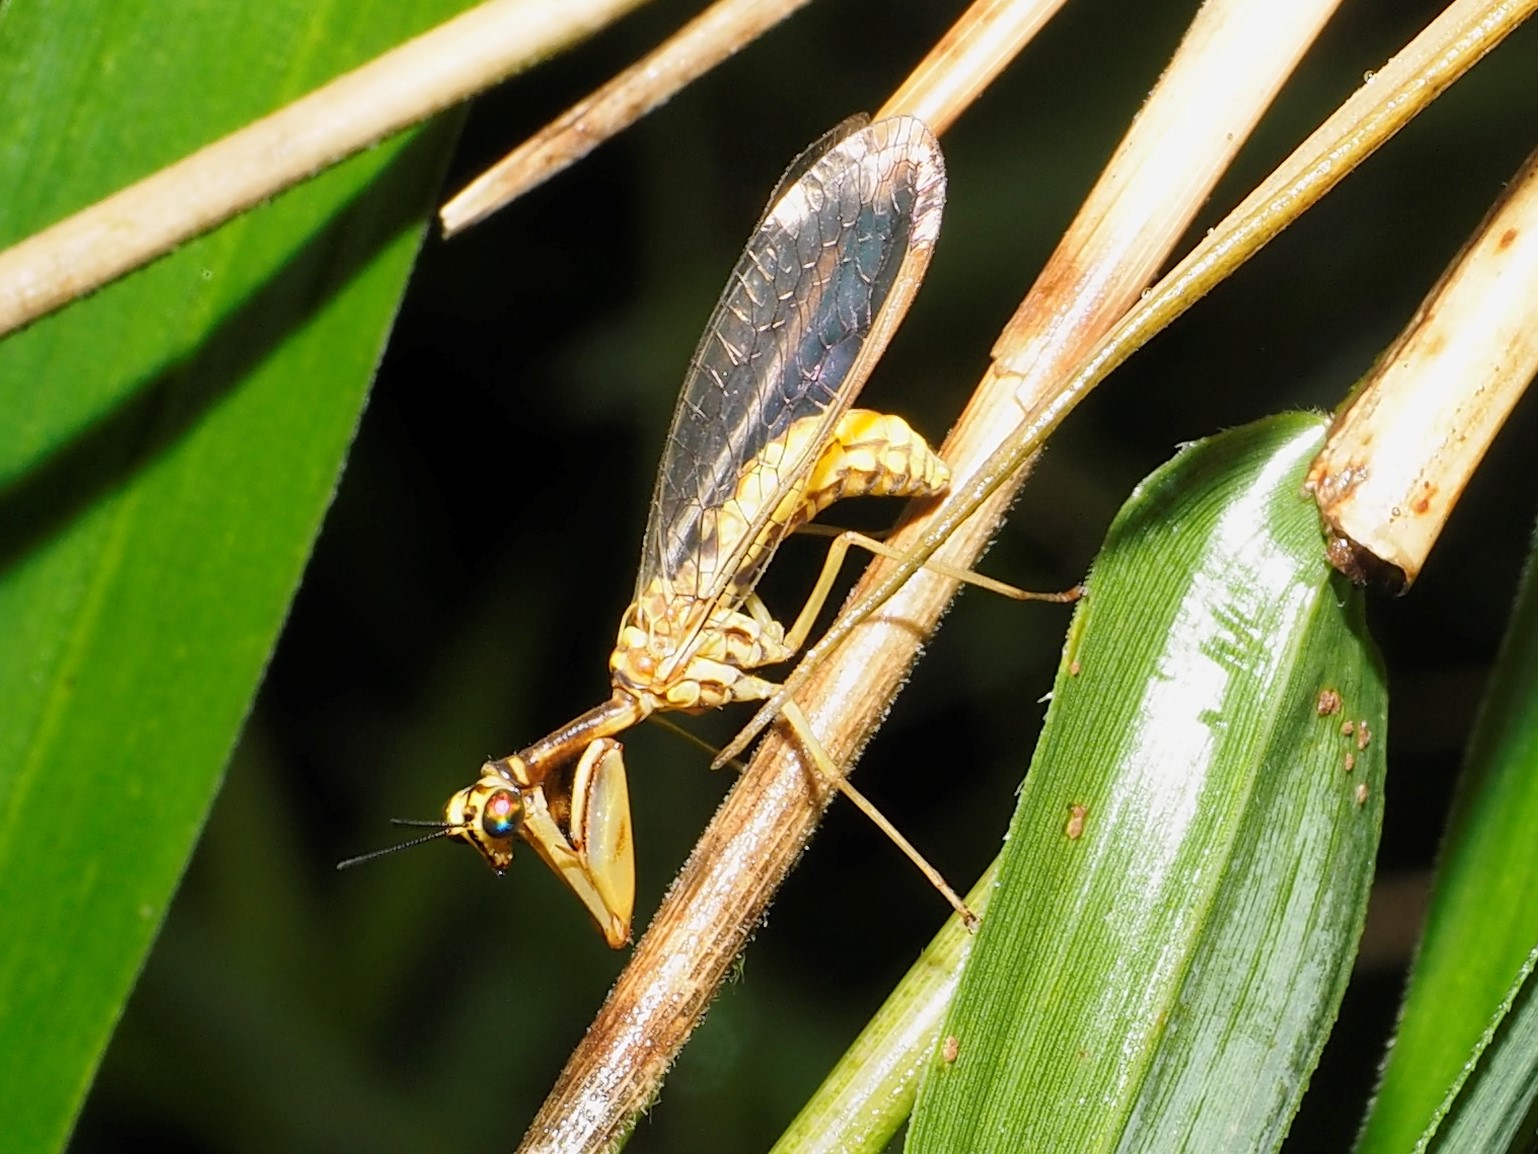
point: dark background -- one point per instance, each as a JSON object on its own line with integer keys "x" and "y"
{"x": 464, "y": 593}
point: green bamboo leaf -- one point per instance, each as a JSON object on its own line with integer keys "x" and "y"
{"x": 167, "y": 450}
{"x": 1187, "y": 872}
{"x": 1481, "y": 929}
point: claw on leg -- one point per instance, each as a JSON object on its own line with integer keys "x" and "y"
{"x": 600, "y": 828}
{"x": 594, "y": 854}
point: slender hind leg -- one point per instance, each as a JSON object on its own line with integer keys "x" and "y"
{"x": 801, "y": 724}
{"x": 869, "y": 455}
{"x": 749, "y": 688}
{"x": 796, "y": 635}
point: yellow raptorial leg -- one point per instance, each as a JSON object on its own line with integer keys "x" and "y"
{"x": 799, "y": 722}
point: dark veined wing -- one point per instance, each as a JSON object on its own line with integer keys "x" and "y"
{"x": 808, "y": 310}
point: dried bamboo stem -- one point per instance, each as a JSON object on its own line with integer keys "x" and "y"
{"x": 696, "y": 48}
{"x": 1398, "y": 458}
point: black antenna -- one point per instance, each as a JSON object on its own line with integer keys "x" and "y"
{"x": 440, "y": 829}
{"x": 694, "y": 739}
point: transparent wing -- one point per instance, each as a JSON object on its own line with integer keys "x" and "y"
{"x": 809, "y": 308}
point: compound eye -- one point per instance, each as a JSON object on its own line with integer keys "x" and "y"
{"x": 502, "y": 815}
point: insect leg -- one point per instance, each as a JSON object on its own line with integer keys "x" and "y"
{"x": 877, "y": 455}
{"x": 796, "y": 635}
{"x": 802, "y": 726}
{"x": 869, "y": 455}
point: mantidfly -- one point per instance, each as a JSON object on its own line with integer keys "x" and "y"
{"x": 763, "y": 439}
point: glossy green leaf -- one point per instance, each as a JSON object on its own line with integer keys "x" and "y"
{"x": 167, "y": 450}
{"x": 1452, "y": 1052}
{"x": 1187, "y": 872}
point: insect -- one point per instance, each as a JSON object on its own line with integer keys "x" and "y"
{"x": 762, "y": 440}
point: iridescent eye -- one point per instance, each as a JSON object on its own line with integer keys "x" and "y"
{"x": 504, "y": 810}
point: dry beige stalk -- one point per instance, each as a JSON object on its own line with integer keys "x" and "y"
{"x": 1398, "y": 458}
{"x": 967, "y": 58}
{"x": 696, "y": 48}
